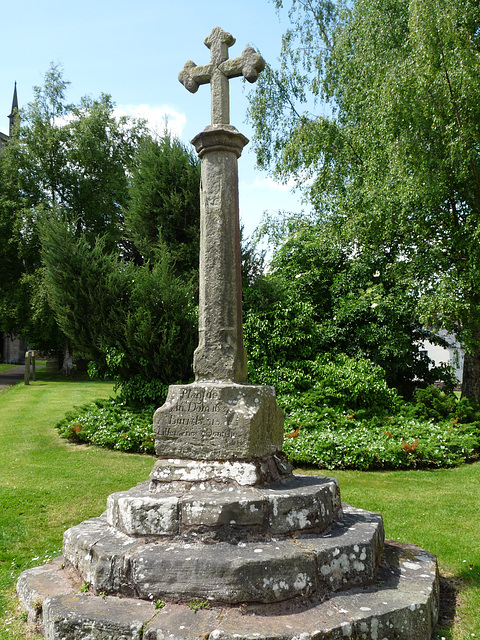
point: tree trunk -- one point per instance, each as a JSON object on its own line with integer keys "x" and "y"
{"x": 67, "y": 365}
{"x": 471, "y": 375}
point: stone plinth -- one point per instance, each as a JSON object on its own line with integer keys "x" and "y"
{"x": 400, "y": 604}
{"x": 171, "y": 474}
{"x": 218, "y": 421}
{"x": 276, "y": 550}
{"x": 223, "y": 511}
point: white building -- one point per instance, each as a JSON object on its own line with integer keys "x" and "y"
{"x": 452, "y": 355}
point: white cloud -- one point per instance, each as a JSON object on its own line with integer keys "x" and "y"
{"x": 156, "y": 117}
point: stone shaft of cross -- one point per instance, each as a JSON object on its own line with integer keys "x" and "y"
{"x": 220, "y": 355}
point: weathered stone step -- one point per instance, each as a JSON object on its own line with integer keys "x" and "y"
{"x": 34, "y": 585}
{"x": 258, "y": 471}
{"x": 301, "y": 503}
{"x": 265, "y": 571}
{"x": 402, "y": 604}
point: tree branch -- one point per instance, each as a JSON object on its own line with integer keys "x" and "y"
{"x": 307, "y": 5}
{"x": 286, "y": 95}
{"x": 458, "y": 118}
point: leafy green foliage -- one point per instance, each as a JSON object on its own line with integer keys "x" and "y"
{"x": 389, "y": 154}
{"x": 196, "y": 604}
{"x": 322, "y": 297}
{"x": 136, "y": 323}
{"x": 70, "y": 177}
{"x": 433, "y": 403}
{"x": 23, "y": 305}
{"x": 435, "y": 431}
{"x": 328, "y": 383}
{"x": 109, "y": 423}
{"x": 11, "y": 262}
{"x": 336, "y": 336}
{"x": 164, "y": 207}
{"x": 75, "y": 158}
{"x": 400, "y": 444}
{"x": 64, "y": 160}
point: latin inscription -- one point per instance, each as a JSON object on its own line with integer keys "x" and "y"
{"x": 200, "y": 395}
{"x": 218, "y": 422}
{"x": 202, "y": 411}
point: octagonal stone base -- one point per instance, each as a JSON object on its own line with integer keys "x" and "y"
{"x": 402, "y": 604}
{"x": 259, "y": 571}
{"x": 278, "y": 561}
{"x": 222, "y": 511}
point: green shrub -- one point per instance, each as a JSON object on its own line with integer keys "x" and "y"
{"x": 349, "y": 418}
{"x": 434, "y": 403}
{"x": 139, "y": 392}
{"x": 399, "y": 443}
{"x": 109, "y": 423}
{"x": 436, "y": 430}
{"x": 330, "y": 381}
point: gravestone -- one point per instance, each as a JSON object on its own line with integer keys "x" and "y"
{"x": 224, "y": 538}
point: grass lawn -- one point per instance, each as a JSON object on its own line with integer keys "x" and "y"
{"x": 48, "y": 485}
{"x": 6, "y": 367}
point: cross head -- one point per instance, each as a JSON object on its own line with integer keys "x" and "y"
{"x": 219, "y": 70}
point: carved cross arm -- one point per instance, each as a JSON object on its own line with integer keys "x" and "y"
{"x": 249, "y": 65}
{"x": 192, "y": 75}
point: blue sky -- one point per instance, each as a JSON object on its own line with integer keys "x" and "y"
{"x": 134, "y": 51}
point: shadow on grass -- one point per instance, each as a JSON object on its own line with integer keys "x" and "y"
{"x": 76, "y": 377}
{"x": 451, "y": 588}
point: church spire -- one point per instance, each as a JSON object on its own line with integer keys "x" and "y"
{"x": 12, "y": 117}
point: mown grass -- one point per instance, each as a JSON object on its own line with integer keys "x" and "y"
{"x": 6, "y": 367}
{"x": 47, "y": 485}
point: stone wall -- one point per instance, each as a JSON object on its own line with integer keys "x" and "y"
{"x": 13, "y": 349}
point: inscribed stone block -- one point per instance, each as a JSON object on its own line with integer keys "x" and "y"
{"x": 218, "y": 421}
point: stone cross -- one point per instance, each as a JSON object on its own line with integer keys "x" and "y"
{"x": 219, "y": 70}
{"x": 219, "y": 418}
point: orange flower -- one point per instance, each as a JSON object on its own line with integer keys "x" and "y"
{"x": 409, "y": 448}
{"x": 294, "y": 434}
